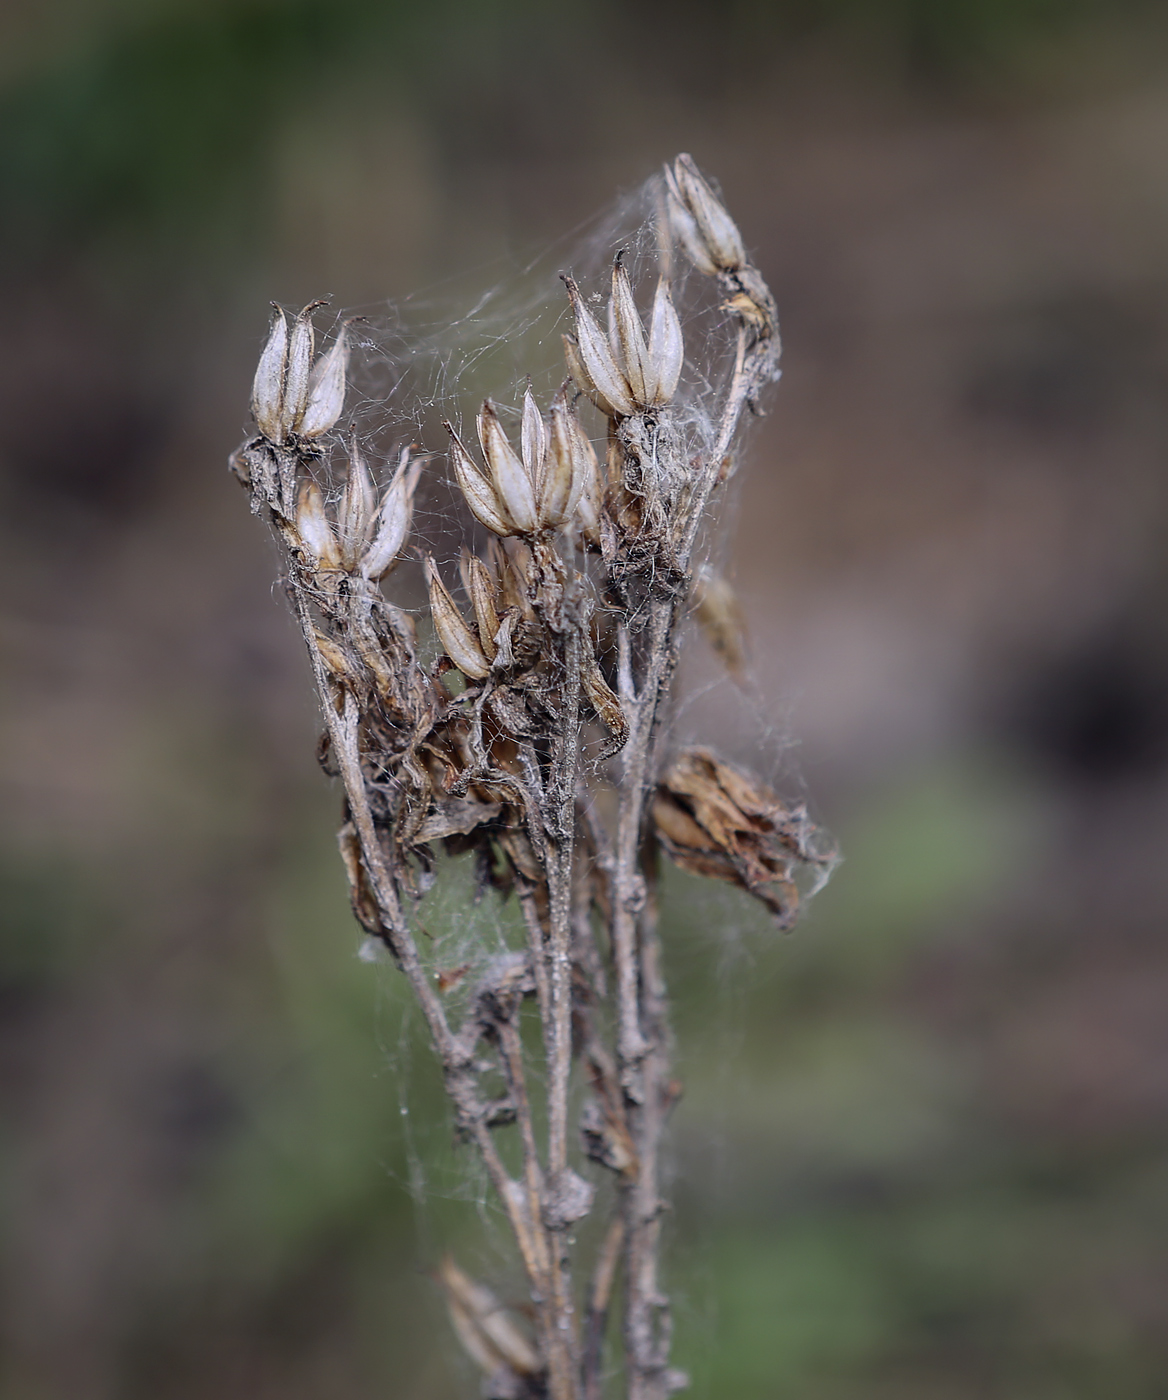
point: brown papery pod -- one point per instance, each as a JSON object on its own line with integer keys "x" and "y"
{"x": 459, "y": 642}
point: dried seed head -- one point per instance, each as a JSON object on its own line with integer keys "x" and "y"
{"x": 458, "y": 641}
{"x": 392, "y": 522}
{"x": 626, "y": 372}
{"x": 512, "y": 478}
{"x": 267, "y": 394}
{"x": 709, "y": 231}
{"x": 603, "y": 380}
{"x": 326, "y": 388}
{"x": 316, "y": 533}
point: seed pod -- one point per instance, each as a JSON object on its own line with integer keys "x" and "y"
{"x": 666, "y": 348}
{"x": 514, "y": 488}
{"x": 533, "y": 441}
{"x": 479, "y": 492}
{"x": 600, "y": 369}
{"x": 316, "y": 533}
{"x": 681, "y": 224}
{"x": 477, "y": 579}
{"x": 720, "y": 617}
{"x": 458, "y": 641}
{"x": 717, "y": 230}
{"x": 627, "y": 335}
{"x": 355, "y": 511}
{"x": 300, "y": 344}
{"x": 392, "y": 523}
{"x": 267, "y": 394}
{"x": 571, "y": 463}
{"x": 326, "y": 388}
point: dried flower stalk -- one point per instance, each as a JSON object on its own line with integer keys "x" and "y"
{"x": 499, "y": 771}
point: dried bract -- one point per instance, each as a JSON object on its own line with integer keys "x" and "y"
{"x": 714, "y": 820}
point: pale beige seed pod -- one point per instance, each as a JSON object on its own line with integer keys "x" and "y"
{"x": 603, "y": 377}
{"x": 326, "y": 388}
{"x": 267, "y": 394}
{"x": 666, "y": 346}
{"x": 356, "y": 508}
{"x": 533, "y": 441}
{"x": 579, "y": 377}
{"x": 316, "y": 532}
{"x": 477, "y": 580}
{"x": 512, "y": 478}
{"x": 458, "y": 641}
{"x": 388, "y": 530}
{"x": 627, "y": 335}
{"x": 717, "y": 230}
{"x": 300, "y": 345}
{"x": 479, "y": 493}
{"x": 570, "y": 463}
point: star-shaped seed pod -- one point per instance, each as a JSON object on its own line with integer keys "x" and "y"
{"x": 536, "y": 489}
{"x": 625, "y": 372}
{"x": 292, "y": 396}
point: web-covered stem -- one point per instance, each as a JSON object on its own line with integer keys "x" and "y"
{"x": 544, "y": 706}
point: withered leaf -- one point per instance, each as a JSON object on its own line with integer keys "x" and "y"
{"x": 456, "y": 816}
{"x": 604, "y": 701}
{"x": 714, "y": 820}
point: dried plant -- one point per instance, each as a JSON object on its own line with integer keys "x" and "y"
{"x": 544, "y": 762}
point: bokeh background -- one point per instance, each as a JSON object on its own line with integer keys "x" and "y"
{"x": 922, "y": 1150}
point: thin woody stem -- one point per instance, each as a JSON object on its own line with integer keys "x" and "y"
{"x": 522, "y": 1210}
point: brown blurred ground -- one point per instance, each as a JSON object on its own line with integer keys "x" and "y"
{"x": 922, "y": 1147}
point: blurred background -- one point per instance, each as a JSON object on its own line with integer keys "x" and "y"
{"x": 922, "y": 1148}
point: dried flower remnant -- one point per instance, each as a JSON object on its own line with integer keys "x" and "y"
{"x": 716, "y": 821}
{"x": 543, "y": 766}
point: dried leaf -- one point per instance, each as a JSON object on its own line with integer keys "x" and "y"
{"x": 456, "y": 816}
{"x": 605, "y": 702}
{"x": 716, "y": 821}
{"x": 491, "y": 1337}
